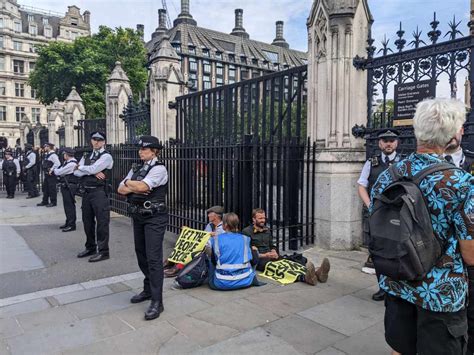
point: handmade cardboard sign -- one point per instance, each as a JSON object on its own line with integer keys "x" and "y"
{"x": 284, "y": 271}
{"x": 190, "y": 243}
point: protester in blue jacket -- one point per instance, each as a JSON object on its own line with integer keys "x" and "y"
{"x": 232, "y": 259}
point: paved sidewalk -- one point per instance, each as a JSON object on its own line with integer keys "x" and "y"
{"x": 96, "y": 317}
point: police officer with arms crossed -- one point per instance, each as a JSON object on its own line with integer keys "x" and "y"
{"x": 94, "y": 171}
{"x": 388, "y": 143}
{"x": 68, "y": 181}
{"x": 146, "y": 187}
{"x": 11, "y": 171}
{"x": 30, "y": 171}
{"x": 50, "y": 162}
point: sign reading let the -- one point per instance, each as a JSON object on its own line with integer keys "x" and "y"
{"x": 407, "y": 96}
{"x": 190, "y": 243}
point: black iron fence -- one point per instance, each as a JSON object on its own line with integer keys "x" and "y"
{"x": 137, "y": 120}
{"x": 85, "y": 127}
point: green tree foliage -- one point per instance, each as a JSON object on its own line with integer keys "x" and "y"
{"x": 86, "y": 64}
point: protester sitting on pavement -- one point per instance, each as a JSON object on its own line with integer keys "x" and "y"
{"x": 262, "y": 241}
{"x": 428, "y": 316}
{"x": 214, "y": 215}
{"x": 232, "y": 259}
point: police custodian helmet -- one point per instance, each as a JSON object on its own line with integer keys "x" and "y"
{"x": 149, "y": 142}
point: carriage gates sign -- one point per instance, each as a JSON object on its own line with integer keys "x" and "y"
{"x": 407, "y": 96}
{"x": 284, "y": 271}
{"x": 190, "y": 243}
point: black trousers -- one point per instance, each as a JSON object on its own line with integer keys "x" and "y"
{"x": 49, "y": 189}
{"x": 30, "y": 182}
{"x": 96, "y": 211}
{"x": 69, "y": 204}
{"x": 470, "y": 312}
{"x": 148, "y": 232}
{"x": 10, "y": 184}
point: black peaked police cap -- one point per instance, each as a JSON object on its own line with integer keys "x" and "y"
{"x": 98, "y": 136}
{"x": 149, "y": 142}
{"x": 388, "y": 133}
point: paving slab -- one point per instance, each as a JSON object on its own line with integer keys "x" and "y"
{"x": 255, "y": 341}
{"x": 304, "y": 335}
{"x": 239, "y": 314}
{"x": 201, "y": 332}
{"x": 119, "y": 287}
{"x": 82, "y": 295}
{"x": 366, "y": 294}
{"x": 9, "y": 327}
{"x": 100, "y": 305}
{"x": 45, "y": 318}
{"x": 142, "y": 341}
{"x": 4, "y": 348}
{"x": 175, "y": 307}
{"x": 50, "y": 340}
{"x": 330, "y": 351}
{"x": 214, "y": 297}
{"x": 179, "y": 345}
{"x": 347, "y": 315}
{"x": 370, "y": 341}
{"x": 24, "y": 307}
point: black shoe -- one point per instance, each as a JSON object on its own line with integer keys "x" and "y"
{"x": 379, "y": 295}
{"x": 63, "y": 226}
{"x": 10, "y": 197}
{"x": 41, "y": 204}
{"x": 154, "y": 310}
{"x": 141, "y": 297}
{"x": 31, "y": 196}
{"x": 87, "y": 252}
{"x": 69, "y": 229}
{"x": 99, "y": 257}
{"x": 51, "y": 205}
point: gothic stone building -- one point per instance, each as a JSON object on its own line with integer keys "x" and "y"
{"x": 21, "y": 30}
{"x": 210, "y": 58}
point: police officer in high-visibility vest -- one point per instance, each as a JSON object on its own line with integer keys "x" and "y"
{"x": 146, "y": 187}
{"x": 68, "y": 182}
{"x": 50, "y": 162}
{"x": 94, "y": 171}
{"x": 30, "y": 171}
{"x": 388, "y": 143}
{"x": 11, "y": 171}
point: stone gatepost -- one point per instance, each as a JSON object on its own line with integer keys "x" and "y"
{"x": 73, "y": 111}
{"x": 166, "y": 83}
{"x": 55, "y": 114}
{"x": 337, "y": 100}
{"x": 117, "y": 95}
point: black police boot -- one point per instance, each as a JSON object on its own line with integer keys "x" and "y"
{"x": 99, "y": 257}
{"x": 87, "y": 252}
{"x": 141, "y": 297}
{"x": 42, "y": 204}
{"x": 379, "y": 295}
{"x": 154, "y": 310}
{"x": 63, "y": 226}
{"x": 51, "y": 205}
{"x": 69, "y": 229}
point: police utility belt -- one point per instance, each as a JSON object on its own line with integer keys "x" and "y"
{"x": 148, "y": 208}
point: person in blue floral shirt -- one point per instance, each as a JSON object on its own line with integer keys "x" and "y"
{"x": 429, "y": 316}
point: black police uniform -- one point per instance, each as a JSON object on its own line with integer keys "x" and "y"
{"x": 49, "y": 184}
{"x": 150, "y": 218}
{"x": 30, "y": 174}
{"x": 96, "y": 207}
{"x": 69, "y": 184}
{"x": 9, "y": 169}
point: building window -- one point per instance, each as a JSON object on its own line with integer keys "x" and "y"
{"x": 244, "y": 74}
{"x": 18, "y": 66}
{"x": 19, "y": 113}
{"x": 206, "y": 67}
{"x": 33, "y": 94}
{"x": 1, "y": 23}
{"x": 219, "y": 55}
{"x": 32, "y": 48}
{"x": 177, "y": 47}
{"x": 17, "y": 26}
{"x": 35, "y": 114}
{"x": 243, "y": 60}
{"x": 192, "y": 50}
{"x": 192, "y": 80}
{"x": 17, "y": 45}
{"x": 31, "y": 18}
{"x": 272, "y": 56}
{"x": 206, "y": 82}
{"x": 231, "y": 58}
{"x": 48, "y": 32}
{"x": 45, "y": 21}
{"x": 32, "y": 66}
{"x": 3, "y": 88}
{"x": 205, "y": 52}
{"x": 2, "y": 63}
{"x": 74, "y": 21}
{"x": 193, "y": 65}
{"x": 19, "y": 90}
{"x": 219, "y": 74}
{"x": 33, "y": 30}
{"x": 2, "y": 43}
{"x": 231, "y": 74}
{"x": 3, "y": 113}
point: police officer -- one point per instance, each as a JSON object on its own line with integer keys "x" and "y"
{"x": 146, "y": 187}
{"x": 11, "y": 171}
{"x": 68, "y": 181}
{"x": 94, "y": 171}
{"x": 29, "y": 165}
{"x": 388, "y": 143}
{"x": 50, "y": 162}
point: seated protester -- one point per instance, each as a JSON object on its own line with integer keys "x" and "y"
{"x": 232, "y": 260}
{"x": 262, "y": 241}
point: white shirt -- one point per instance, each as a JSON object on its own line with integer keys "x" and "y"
{"x": 458, "y": 157}
{"x": 66, "y": 169}
{"x": 53, "y": 157}
{"x": 104, "y": 162}
{"x": 157, "y": 175}
{"x": 364, "y": 175}
{"x": 31, "y": 159}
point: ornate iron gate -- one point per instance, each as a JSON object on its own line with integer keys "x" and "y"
{"x": 137, "y": 120}
{"x": 86, "y": 127}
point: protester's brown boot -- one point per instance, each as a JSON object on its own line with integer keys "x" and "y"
{"x": 310, "y": 277}
{"x": 322, "y": 273}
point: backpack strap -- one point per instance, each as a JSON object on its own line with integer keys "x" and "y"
{"x": 418, "y": 177}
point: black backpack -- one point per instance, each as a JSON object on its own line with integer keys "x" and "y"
{"x": 402, "y": 242}
{"x": 194, "y": 273}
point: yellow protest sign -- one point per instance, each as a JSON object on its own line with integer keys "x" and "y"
{"x": 284, "y": 271}
{"x": 190, "y": 243}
